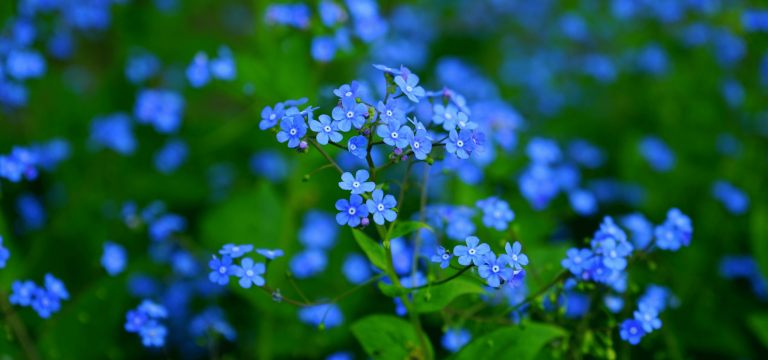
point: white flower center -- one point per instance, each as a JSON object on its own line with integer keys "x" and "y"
{"x": 327, "y": 128}
{"x": 235, "y": 249}
{"x": 462, "y": 124}
{"x": 446, "y": 256}
{"x": 293, "y": 131}
{"x": 380, "y": 207}
{"x": 577, "y": 259}
{"x": 514, "y": 257}
{"x": 350, "y": 114}
{"x": 633, "y": 330}
{"x": 389, "y": 112}
{"x": 459, "y": 143}
{"x": 394, "y": 135}
{"x": 647, "y": 317}
{"x": 448, "y": 116}
{"x": 495, "y": 268}
{"x": 352, "y": 147}
{"x": 613, "y": 253}
{"x": 349, "y": 93}
{"x": 356, "y": 184}
{"x": 408, "y": 89}
{"x": 249, "y": 273}
{"x": 351, "y": 211}
{"x": 472, "y": 251}
{"x": 416, "y": 144}
{"x": 272, "y": 117}
{"x": 223, "y": 269}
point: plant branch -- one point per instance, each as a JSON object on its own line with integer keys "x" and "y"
{"x": 317, "y": 146}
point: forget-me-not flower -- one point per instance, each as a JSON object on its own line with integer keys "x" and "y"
{"x": 270, "y": 254}
{"x": 390, "y": 112}
{"x": 631, "y": 331}
{"x": 577, "y": 261}
{"x": 381, "y": 207}
{"x": 154, "y": 310}
{"x": 350, "y": 114}
{"x": 409, "y": 86}
{"x": 235, "y": 251}
{"x": 613, "y": 254}
{"x": 387, "y": 69}
{"x": 394, "y": 134}
{"x": 472, "y": 253}
{"x": 249, "y": 272}
{"x": 294, "y": 129}
{"x": 358, "y": 146}
{"x": 270, "y": 117}
{"x": 22, "y": 292}
{"x": 461, "y": 121}
{"x": 357, "y": 184}
{"x": 153, "y": 334}
{"x": 326, "y": 129}
{"x": 135, "y": 320}
{"x": 347, "y": 91}
{"x": 45, "y": 303}
{"x": 4, "y": 254}
{"x": 114, "y": 258}
{"x": 351, "y": 211}
{"x": 420, "y": 144}
{"x": 56, "y": 287}
{"x": 516, "y": 259}
{"x": 444, "y": 114}
{"x": 460, "y": 143}
{"x": 648, "y": 316}
{"x": 222, "y": 269}
{"x": 443, "y": 257}
{"x": 495, "y": 269}
{"x": 497, "y": 214}
{"x": 516, "y": 280}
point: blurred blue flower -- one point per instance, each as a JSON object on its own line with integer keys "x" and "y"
{"x": 356, "y": 268}
{"x": 390, "y": 112}
{"x": 197, "y": 72}
{"x": 114, "y": 258}
{"x": 308, "y": 263}
{"x": 113, "y": 132}
{"x": 455, "y": 338}
{"x": 45, "y": 303}
{"x": 163, "y": 109}
{"x": 576, "y": 305}
{"x": 735, "y": 200}
{"x": 22, "y": 292}
{"x": 270, "y": 254}
{"x": 32, "y": 212}
{"x": 141, "y": 66}
{"x": 153, "y": 334}
{"x": 166, "y": 225}
{"x": 614, "y": 303}
{"x": 223, "y": 67}
{"x": 631, "y": 331}
{"x": 270, "y": 164}
{"x": 25, "y": 64}
{"x": 657, "y": 153}
{"x": 171, "y": 156}
{"x": 4, "y": 254}
{"x": 586, "y": 154}
{"x": 329, "y": 315}
{"x": 235, "y": 251}
{"x": 318, "y": 230}
{"x": 583, "y": 202}
{"x": 648, "y": 317}
{"x": 357, "y": 146}
{"x": 577, "y": 261}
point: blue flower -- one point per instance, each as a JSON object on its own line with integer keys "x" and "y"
{"x": 351, "y": 211}
{"x": 22, "y": 292}
{"x": 631, "y": 331}
{"x": 4, "y": 254}
{"x": 248, "y": 272}
{"x": 608, "y": 230}
{"x": 418, "y": 125}
{"x": 648, "y": 317}
{"x": 222, "y": 269}
{"x": 614, "y": 303}
{"x": 387, "y": 69}
{"x": 32, "y": 211}
{"x": 223, "y": 67}
{"x": 443, "y": 257}
{"x": 135, "y": 320}
{"x": 154, "y": 310}
{"x": 269, "y": 117}
{"x": 45, "y": 303}
{"x": 496, "y": 213}
{"x": 421, "y": 144}
{"x": 390, "y": 112}
{"x": 318, "y": 230}
{"x": 443, "y": 114}
{"x": 357, "y": 146}
{"x": 381, "y": 207}
{"x": 235, "y": 251}
{"x": 350, "y": 113}
{"x": 356, "y": 268}
{"x": 271, "y": 164}
{"x": 162, "y": 228}
{"x": 357, "y": 184}
{"x": 56, "y": 287}
{"x": 341, "y": 355}
{"x": 543, "y": 151}
{"x": 666, "y": 237}
{"x": 461, "y": 121}
{"x": 197, "y": 72}
{"x": 326, "y": 129}
{"x": 583, "y": 202}
{"x": 682, "y": 224}
{"x": 113, "y": 132}
{"x": 516, "y": 281}
{"x": 516, "y": 259}
{"x": 329, "y": 315}
{"x": 294, "y": 129}
{"x": 577, "y": 261}
{"x": 455, "y": 338}
{"x": 140, "y": 66}
{"x": 656, "y": 152}
{"x": 163, "y": 109}
{"x": 472, "y": 253}
{"x": 114, "y": 258}
{"x": 613, "y": 254}
{"x": 153, "y": 334}
{"x": 393, "y": 134}
{"x": 346, "y": 91}
{"x": 400, "y": 308}
{"x": 460, "y": 143}
{"x": 270, "y": 254}
{"x": 308, "y": 263}
{"x": 171, "y": 156}
{"x": 495, "y": 269}
{"x": 25, "y": 64}
{"x": 409, "y": 86}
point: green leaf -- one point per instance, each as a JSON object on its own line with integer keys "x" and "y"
{"x": 391, "y": 290}
{"x": 372, "y": 249}
{"x": 759, "y": 235}
{"x": 437, "y": 297}
{"x": 518, "y": 342}
{"x": 406, "y": 227}
{"x": 759, "y": 325}
{"x": 387, "y": 337}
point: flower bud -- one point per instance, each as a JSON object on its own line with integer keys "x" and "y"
{"x": 430, "y": 161}
{"x": 405, "y": 157}
{"x": 303, "y": 145}
{"x": 367, "y": 132}
{"x": 365, "y": 222}
{"x": 398, "y": 151}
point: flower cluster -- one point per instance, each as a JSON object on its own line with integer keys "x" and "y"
{"x": 45, "y": 300}
{"x": 745, "y": 267}
{"x": 145, "y": 321}
{"x": 491, "y": 268}
{"x": 249, "y": 272}
{"x": 23, "y": 162}
{"x": 201, "y": 70}
{"x": 646, "y": 318}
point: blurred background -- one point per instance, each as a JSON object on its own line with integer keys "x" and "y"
{"x": 143, "y": 117}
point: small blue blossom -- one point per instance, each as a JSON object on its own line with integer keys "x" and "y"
{"x": 496, "y": 213}
{"x": 614, "y": 303}
{"x": 648, "y": 317}
{"x": 197, "y": 72}
{"x": 22, "y": 292}
{"x": 443, "y": 114}
{"x": 387, "y": 69}
{"x": 112, "y": 132}
{"x": 56, "y": 287}
{"x": 516, "y": 281}
{"x": 608, "y": 230}
{"x": 114, "y": 258}
{"x": 461, "y": 121}
{"x": 357, "y": 146}
{"x": 631, "y": 331}
{"x": 347, "y": 91}
{"x": 350, "y": 114}
{"x": 381, "y": 207}
{"x": 135, "y": 320}
{"x": 544, "y": 151}
{"x": 666, "y": 237}
{"x": 495, "y": 269}
{"x": 577, "y": 261}
{"x": 613, "y": 254}
{"x": 460, "y": 143}
{"x": 45, "y": 303}
{"x": 318, "y": 230}
{"x": 472, "y": 253}
{"x": 293, "y": 129}
{"x": 235, "y": 251}
{"x": 223, "y": 67}
{"x": 657, "y": 153}
{"x": 351, "y": 211}
{"x": 583, "y": 202}
{"x": 308, "y": 263}
{"x": 455, "y": 338}
{"x": 393, "y": 134}
{"x": 390, "y": 112}
{"x": 516, "y": 259}
{"x": 222, "y": 269}
{"x": 162, "y": 228}
{"x": 270, "y": 117}
{"x": 421, "y": 144}
{"x": 326, "y": 129}
{"x": 356, "y": 268}
{"x": 153, "y": 334}
{"x": 409, "y": 86}
{"x": 270, "y": 254}
{"x": 171, "y": 156}
{"x": 443, "y": 257}
{"x": 163, "y": 109}
{"x": 248, "y": 272}
{"x": 321, "y": 314}
{"x": 357, "y": 184}
{"x": 4, "y": 254}
{"x": 154, "y": 310}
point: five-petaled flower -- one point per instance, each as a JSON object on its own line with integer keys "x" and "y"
{"x": 390, "y": 112}
{"x": 346, "y": 91}
{"x": 577, "y": 260}
{"x": 357, "y": 184}
{"x": 420, "y": 144}
{"x": 326, "y": 129}
{"x": 613, "y": 254}
{"x": 381, "y": 207}
{"x": 631, "y": 331}
{"x": 294, "y": 129}
{"x": 648, "y": 316}
{"x": 235, "y": 251}
{"x": 249, "y": 272}
{"x": 270, "y": 117}
{"x": 357, "y": 146}
{"x": 443, "y": 257}
{"x": 350, "y": 114}
{"x": 222, "y": 269}
{"x": 472, "y": 253}
{"x": 441, "y": 114}
{"x": 394, "y": 134}
{"x": 516, "y": 259}
{"x": 351, "y": 211}
{"x": 495, "y": 269}
{"x": 460, "y": 143}
{"x": 409, "y": 86}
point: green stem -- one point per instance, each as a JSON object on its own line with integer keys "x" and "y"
{"x": 317, "y": 146}
{"x": 18, "y": 328}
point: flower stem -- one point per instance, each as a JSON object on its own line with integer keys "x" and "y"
{"x": 18, "y": 327}
{"x": 317, "y": 146}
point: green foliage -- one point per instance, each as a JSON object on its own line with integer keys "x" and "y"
{"x": 434, "y": 298}
{"x": 372, "y": 249}
{"x": 519, "y": 343}
{"x": 406, "y": 227}
{"x": 387, "y": 337}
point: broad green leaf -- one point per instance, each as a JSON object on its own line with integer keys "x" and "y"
{"x": 759, "y": 325}
{"x": 406, "y": 227}
{"x": 372, "y": 249}
{"x": 391, "y": 290}
{"x": 518, "y": 342}
{"x": 437, "y": 297}
{"x": 387, "y": 337}
{"x": 759, "y": 235}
